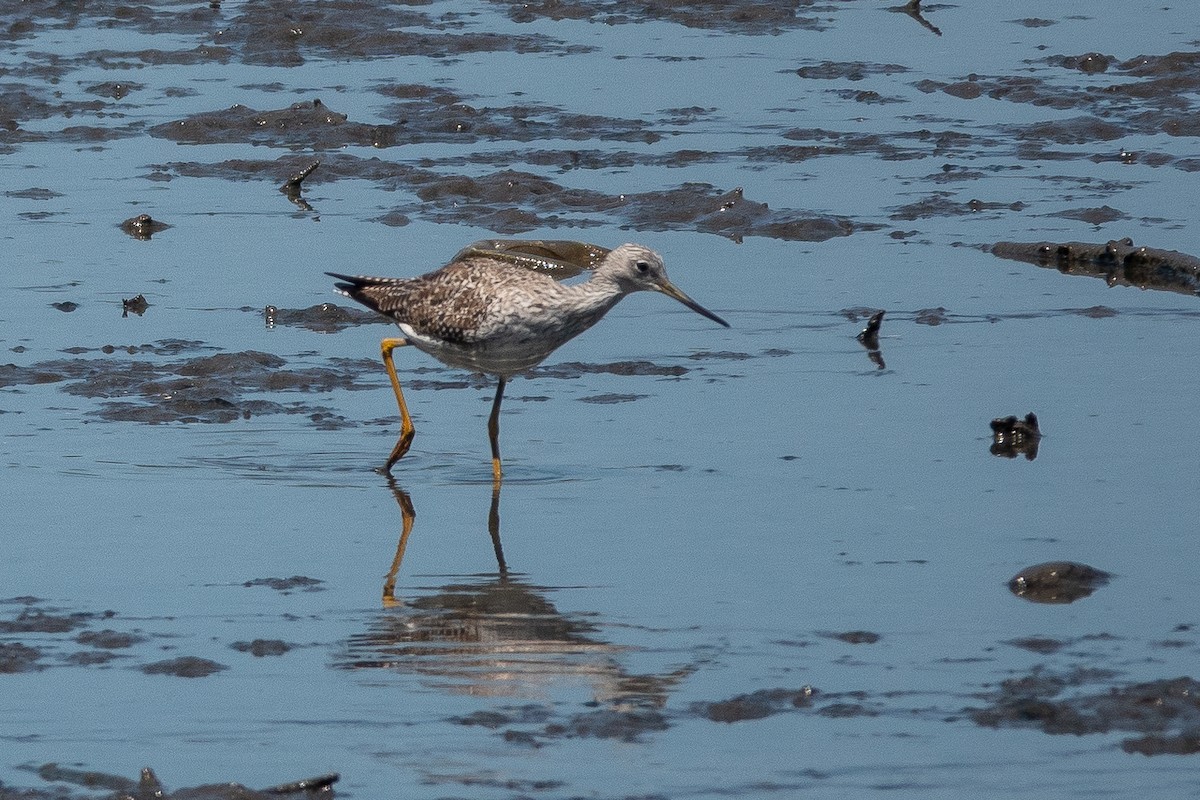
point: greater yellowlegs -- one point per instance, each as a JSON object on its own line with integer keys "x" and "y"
{"x": 495, "y": 312}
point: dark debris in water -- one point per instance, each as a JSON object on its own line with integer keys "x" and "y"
{"x": 1012, "y": 436}
{"x": 135, "y": 305}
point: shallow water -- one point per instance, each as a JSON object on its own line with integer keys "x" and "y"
{"x": 750, "y": 561}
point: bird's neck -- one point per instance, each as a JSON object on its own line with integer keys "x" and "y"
{"x": 593, "y": 298}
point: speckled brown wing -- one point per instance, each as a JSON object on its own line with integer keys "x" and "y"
{"x": 451, "y": 304}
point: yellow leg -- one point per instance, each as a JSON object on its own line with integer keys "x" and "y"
{"x": 406, "y": 425}
{"x": 494, "y": 431}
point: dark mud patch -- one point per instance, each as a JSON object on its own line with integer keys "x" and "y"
{"x": 574, "y": 369}
{"x": 420, "y": 115}
{"x": 848, "y": 70}
{"x": 1093, "y": 216}
{"x": 36, "y": 620}
{"x": 184, "y": 667}
{"x": 149, "y": 786}
{"x": 33, "y": 193}
{"x": 262, "y": 647}
{"x": 625, "y": 726}
{"x": 213, "y": 388}
{"x": 278, "y": 33}
{"x": 512, "y": 202}
{"x": 612, "y": 398}
{"x": 1118, "y": 262}
{"x": 942, "y": 205}
{"x": 16, "y": 657}
{"x": 756, "y": 705}
{"x": 753, "y": 19}
{"x": 109, "y": 639}
{"x": 51, "y": 632}
{"x": 1040, "y": 644}
{"x": 1165, "y": 712}
{"x": 296, "y": 583}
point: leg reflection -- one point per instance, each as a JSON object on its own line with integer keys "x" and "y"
{"x": 408, "y": 515}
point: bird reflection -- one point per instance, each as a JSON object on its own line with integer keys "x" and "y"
{"x": 496, "y": 634}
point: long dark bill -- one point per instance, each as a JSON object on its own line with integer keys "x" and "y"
{"x": 670, "y": 290}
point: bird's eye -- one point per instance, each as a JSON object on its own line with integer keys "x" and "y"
{"x": 643, "y": 267}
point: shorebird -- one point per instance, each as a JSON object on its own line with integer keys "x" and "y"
{"x": 493, "y": 311}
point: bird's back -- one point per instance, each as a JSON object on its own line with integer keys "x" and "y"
{"x": 482, "y": 314}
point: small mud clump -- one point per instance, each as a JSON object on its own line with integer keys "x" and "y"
{"x": 1057, "y": 582}
{"x": 143, "y": 227}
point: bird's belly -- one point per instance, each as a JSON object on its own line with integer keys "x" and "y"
{"x": 503, "y": 356}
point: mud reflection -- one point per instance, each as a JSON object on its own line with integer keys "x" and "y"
{"x": 498, "y": 635}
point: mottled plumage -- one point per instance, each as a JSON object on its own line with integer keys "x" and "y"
{"x": 487, "y": 314}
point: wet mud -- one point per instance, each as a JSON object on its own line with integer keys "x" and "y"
{"x": 1117, "y": 262}
{"x": 210, "y": 388}
{"x": 149, "y": 786}
{"x": 514, "y": 201}
{"x": 1164, "y": 714}
{"x": 35, "y": 636}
